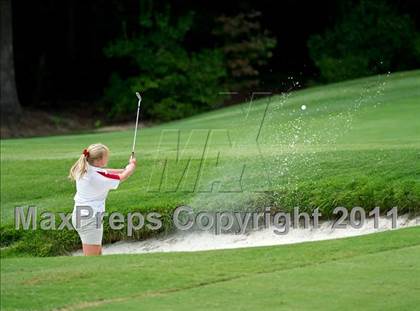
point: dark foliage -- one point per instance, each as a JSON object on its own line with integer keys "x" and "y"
{"x": 372, "y": 38}
{"x": 246, "y": 46}
{"x": 176, "y": 82}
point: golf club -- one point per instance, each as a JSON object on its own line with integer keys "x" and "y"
{"x": 137, "y": 123}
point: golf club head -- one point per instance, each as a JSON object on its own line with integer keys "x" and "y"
{"x": 138, "y": 95}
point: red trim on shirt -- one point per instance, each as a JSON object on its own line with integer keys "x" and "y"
{"x": 107, "y": 175}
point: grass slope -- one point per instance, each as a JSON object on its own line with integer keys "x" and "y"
{"x": 356, "y": 144}
{"x": 377, "y": 271}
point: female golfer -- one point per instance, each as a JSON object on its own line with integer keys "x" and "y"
{"x": 93, "y": 183}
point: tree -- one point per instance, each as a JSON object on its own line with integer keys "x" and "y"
{"x": 372, "y": 38}
{"x": 247, "y": 47}
{"x": 10, "y": 108}
{"x": 178, "y": 82}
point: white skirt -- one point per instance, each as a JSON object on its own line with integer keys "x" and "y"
{"x": 89, "y": 230}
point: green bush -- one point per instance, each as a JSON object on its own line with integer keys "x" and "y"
{"x": 350, "y": 66}
{"x": 9, "y": 235}
{"x": 372, "y": 38}
{"x": 365, "y": 192}
{"x": 175, "y": 83}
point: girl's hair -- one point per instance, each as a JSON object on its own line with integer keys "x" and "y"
{"x": 89, "y": 155}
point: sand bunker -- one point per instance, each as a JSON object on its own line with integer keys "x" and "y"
{"x": 200, "y": 241}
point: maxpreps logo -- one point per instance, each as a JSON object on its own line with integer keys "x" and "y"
{"x": 184, "y": 218}
{"x": 196, "y": 161}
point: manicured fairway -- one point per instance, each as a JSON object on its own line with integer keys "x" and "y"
{"x": 374, "y": 272}
{"x": 356, "y": 144}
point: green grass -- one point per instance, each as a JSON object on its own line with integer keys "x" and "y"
{"x": 357, "y": 143}
{"x": 375, "y": 272}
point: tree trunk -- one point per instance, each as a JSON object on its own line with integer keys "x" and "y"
{"x": 10, "y": 108}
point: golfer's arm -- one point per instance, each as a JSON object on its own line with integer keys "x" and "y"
{"x": 127, "y": 172}
{"x": 115, "y": 170}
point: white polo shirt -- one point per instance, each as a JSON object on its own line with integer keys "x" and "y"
{"x": 93, "y": 187}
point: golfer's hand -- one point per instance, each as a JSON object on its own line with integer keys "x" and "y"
{"x": 133, "y": 161}
{"x": 131, "y": 165}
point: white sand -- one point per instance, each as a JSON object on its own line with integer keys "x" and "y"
{"x": 199, "y": 240}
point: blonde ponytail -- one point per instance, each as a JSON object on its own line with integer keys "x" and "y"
{"x": 79, "y": 168}
{"x": 89, "y": 155}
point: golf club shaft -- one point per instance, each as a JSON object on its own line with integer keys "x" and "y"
{"x": 135, "y": 130}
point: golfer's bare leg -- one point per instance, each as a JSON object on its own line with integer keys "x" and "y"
{"x": 92, "y": 250}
